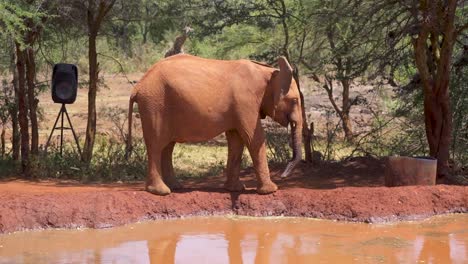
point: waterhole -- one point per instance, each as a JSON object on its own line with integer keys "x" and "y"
{"x": 441, "y": 239}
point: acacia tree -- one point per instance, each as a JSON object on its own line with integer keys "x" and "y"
{"x": 433, "y": 45}
{"x": 149, "y": 9}
{"x": 122, "y": 27}
{"x": 20, "y": 21}
{"x": 22, "y": 109}
{"x": 348, "y": 39}
{"x": 96, "y": 12}
{"x": 4, "y": 115}
{"x": 11, "y": 101}
{"x": 286, "y": 17}
{"x": 431, "y": 28}
{"x": 30, "y": 37}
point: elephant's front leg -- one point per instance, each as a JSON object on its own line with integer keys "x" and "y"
{"x": 235, "y": 149}
{"x": 168, "y": 169}
{"x": 257, "y": 149}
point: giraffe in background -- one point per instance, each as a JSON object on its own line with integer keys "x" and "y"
{"x": 178, "y": 43}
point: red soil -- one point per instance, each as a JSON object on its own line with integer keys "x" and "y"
{"x": 342, "y": 191}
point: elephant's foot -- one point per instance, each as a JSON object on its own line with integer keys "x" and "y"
{"x": 173, "y": 183}
{"x": 159, "y": 189}
{"x": 266, "y": 188}
{"x": 236, "y": 186}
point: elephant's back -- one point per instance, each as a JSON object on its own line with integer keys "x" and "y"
{"x": 182, "y": 68}
{"x": 198, "y": 81}
{"x": 186, "y": 80}
{"x": 185, "y": 75}
{"x": 187, "y": 92}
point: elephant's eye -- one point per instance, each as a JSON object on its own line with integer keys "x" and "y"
{"x": 295, "y": 101}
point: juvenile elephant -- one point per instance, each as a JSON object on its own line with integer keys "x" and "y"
{"x": 189, "y": 99}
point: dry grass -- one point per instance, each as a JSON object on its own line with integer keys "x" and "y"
{"x": 197, "y": 160}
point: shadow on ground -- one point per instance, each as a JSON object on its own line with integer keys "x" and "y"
{"x": 356, "y": 172}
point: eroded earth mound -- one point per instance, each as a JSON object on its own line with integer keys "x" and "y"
{"x": 350, "y": 191}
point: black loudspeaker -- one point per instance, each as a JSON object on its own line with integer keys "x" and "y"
{"x": 64, "y": 83}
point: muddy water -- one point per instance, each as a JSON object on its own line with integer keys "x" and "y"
{"x": 246, "y": 240}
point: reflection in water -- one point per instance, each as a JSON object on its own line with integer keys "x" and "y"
{"x": 246, "y": 240}
{"x": 139, "y": 250}
{"x": 202, "y": 248}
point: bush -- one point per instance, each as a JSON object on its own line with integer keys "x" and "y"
{"x": 8, "y": 167}
{"x": 109, "y": 163}
{"x": 277, "y": 141}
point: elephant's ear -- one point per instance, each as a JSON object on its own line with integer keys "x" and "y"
{"x": 282, "y": 79}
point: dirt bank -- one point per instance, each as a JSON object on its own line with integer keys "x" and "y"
{"x": 319, "y": 191}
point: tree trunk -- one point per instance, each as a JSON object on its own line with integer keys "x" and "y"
{"x": 347, "y": 128}
{"x": 285, "y": 50}
{"x": 125, "y": 42}
{"x": 32, "y": 100}
{"x": 145, "y": 34}
{"x": 433, "y": 50}
{"x": 343, "y": 113}
{"x": 145, "y": 24}
{"x": 2, "y": 141}
{"x": 438, "y": 121}
{"x": 93, "y": 79}
{"x": 346, "y": 107}
{"x": 13, "y": 107}
{"x": 307, "y": 137}
{"x": 95, "y": 16}
{"x": 23, "y": 111}
{"x": 16, "y": 137}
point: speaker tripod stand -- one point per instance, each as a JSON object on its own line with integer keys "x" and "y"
{"x": 62, "y": 112}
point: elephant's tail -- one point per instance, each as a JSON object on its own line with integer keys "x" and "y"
{"x": 130, "y": 115}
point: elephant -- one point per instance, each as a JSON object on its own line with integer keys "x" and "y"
{"x": 185, "y": 98}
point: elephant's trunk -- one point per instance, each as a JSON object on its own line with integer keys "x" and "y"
{"x": 296, "y": 136}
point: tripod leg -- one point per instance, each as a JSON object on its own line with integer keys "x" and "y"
{"x": 74, "y": 134}
{"x": 52, "y": 132}
{"x": 61, "y": 131}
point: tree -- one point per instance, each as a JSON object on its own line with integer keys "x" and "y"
{"x": 149, "y": 11}
{"x": 12, "y": 103}
{"x": 433, "y": 48}
{"x": 30, "y": 37}
{"x": 432, "y": 28}
{"x": 459, "y": 103}
{"x": 20, "y": 21}
{"x": 284, "y": 14}
{"x": 121, "y": 28}
{"x": 351, "y": 40}
{"x": 22, "y": 109}
{"x": 96, "y": 12}
{"x": 4, "y": 116}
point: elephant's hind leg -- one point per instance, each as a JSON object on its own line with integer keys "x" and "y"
{"x": 154, "y": 182}
{"x": 167, "y": 167}
{"x": 235, "y": 149}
